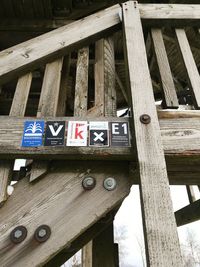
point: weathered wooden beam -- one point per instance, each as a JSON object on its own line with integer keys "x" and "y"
{"x": 82, "y": 240}
{"x": 188, "y": 214}
{"x": 180, "y": 137}
{"x": 33, "y": 53}
{"x": 81, "y": 85}
{"x": 190, "y": 65}
{"x": 169, "y": 91}
{"x": 48, "y": 106}
{"x": 161, "y": 238}
{"x": 18, "y": 108}
{"x": 81, "y": 209}
{"x": 86, "y": 255}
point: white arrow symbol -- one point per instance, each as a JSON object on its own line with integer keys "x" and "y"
{"x": 99, "y": 136}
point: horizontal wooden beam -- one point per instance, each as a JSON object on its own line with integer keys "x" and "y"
{"x": 28, "y": 55}
{"x": 180, "y": 136}
{"x": 188, "y": 214}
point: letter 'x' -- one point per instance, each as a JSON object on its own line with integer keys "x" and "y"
{"x": 98, "y": 136}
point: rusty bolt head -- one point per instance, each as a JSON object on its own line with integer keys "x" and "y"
{"x": 88, "y": 183}
{"x": 145, "y": 119}
{"x": 42, "y": 233}
{"x": 18, "y": 234}
{"x": 110, "y": 183}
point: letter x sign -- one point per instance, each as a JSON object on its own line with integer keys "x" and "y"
{"x": 99, "y": 138}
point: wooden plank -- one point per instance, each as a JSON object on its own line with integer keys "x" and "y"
{"x": 161, "y": 238}
{"x": 86, "y": 257}
{"x": 179, "y": 137}
{"x": 188, "y": 214}
{"x": 190, "y": 193}
{"x": 82, "y": 209}
{"x": 61, "y": 107}
{"x": 190, "y": 65}
{"x": 103, "y": 248}
{"x": 169, "y": 12}
{"x": 48, "y": 106}
{"x": 17, "y": 109}
{"x": 33, "y": 53}
{"x": 20, "y": 99}
{"x": 81, "y": 86}
{"x": 99, "y": 77}
{"x": 170, "y": 97}
{"x": 109, "y": 78}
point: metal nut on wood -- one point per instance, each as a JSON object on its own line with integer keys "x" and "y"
{"x": 110, "y": 183}
{"x": 89, "y": 183}
{"x": 18, "y": 234}
{"x": 145, "y": 119}
{"x": 42, "y": 233}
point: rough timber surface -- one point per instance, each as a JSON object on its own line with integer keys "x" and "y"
{"x": 59, "y": 193}
{"x": 161, "y": 238}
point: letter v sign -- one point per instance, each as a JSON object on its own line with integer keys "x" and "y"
{"x": 55, "y": 133}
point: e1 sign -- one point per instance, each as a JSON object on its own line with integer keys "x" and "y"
{"x": 120, "y": 134}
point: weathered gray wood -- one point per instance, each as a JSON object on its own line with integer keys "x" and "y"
{"x": 190, "y": 65}
{"x": 180, "y": 137}
{"x": 31, "y": 54}
{"x": 99, "y": 77}
{"x": 20, "y": 99}
{"x": 169, "y": 12}
{"x": 188, "y": 214}
{"x": 61, "y": 107}
{"x": 103, "y": 249}
{"x": 109, "y": 78}
{"x": 86, "y": 257}
{"x": 170, "y": 97}
{"x": 17, "y": 109}
{"x": 81, "y": 86}
{"x": 33, "y": 203}
{"x": 161, "y": 238}
{"x": 48, "y": 106}
{"x": 82, "y": 240}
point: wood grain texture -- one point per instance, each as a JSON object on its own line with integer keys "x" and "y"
{"x": 86, "y": 255}
{"x": 48, "y": 106}
{"x": 190, "y": 65}
{"x": 169, "y": 91}
{"x": 65, "y": 199}
{"x": 99, "y": 77}
{"x": 161, "y": 238}
{"x": 18, "y": 108}
{"x": 81, "y": 86}
{"x": 20, "y": 99}
{"x": 109, "y": 78}
{"x": 33, "y": 53}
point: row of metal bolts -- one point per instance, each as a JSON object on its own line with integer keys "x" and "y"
{"x": 43, "y": 232}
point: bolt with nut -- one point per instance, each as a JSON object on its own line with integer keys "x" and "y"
{"x": 89, "y": 183}
{"x": 110, "y": 183}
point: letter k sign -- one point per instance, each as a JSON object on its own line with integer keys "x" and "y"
{"x": 55, "y": 133}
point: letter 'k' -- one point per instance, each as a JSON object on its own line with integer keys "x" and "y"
{"x": 78, "y": 132}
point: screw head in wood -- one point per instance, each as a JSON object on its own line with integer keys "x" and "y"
{"x": 42, "y": 233}
{"x": 18, "y": 234}
{"x": 145, "y": 119}
{"x": 89, "y": 183}
{"x": 110, "y": 183}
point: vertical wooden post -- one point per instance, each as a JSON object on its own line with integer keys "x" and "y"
{"x": 161, "y": 238}
{"x": 87, "y": 255}
{"x": 103, "y": 249}
{"x": 17, "y": 109}
{"x": 48, "y": 105}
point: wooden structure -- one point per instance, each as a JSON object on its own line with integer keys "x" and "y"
{"x": 68, "y": 61}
